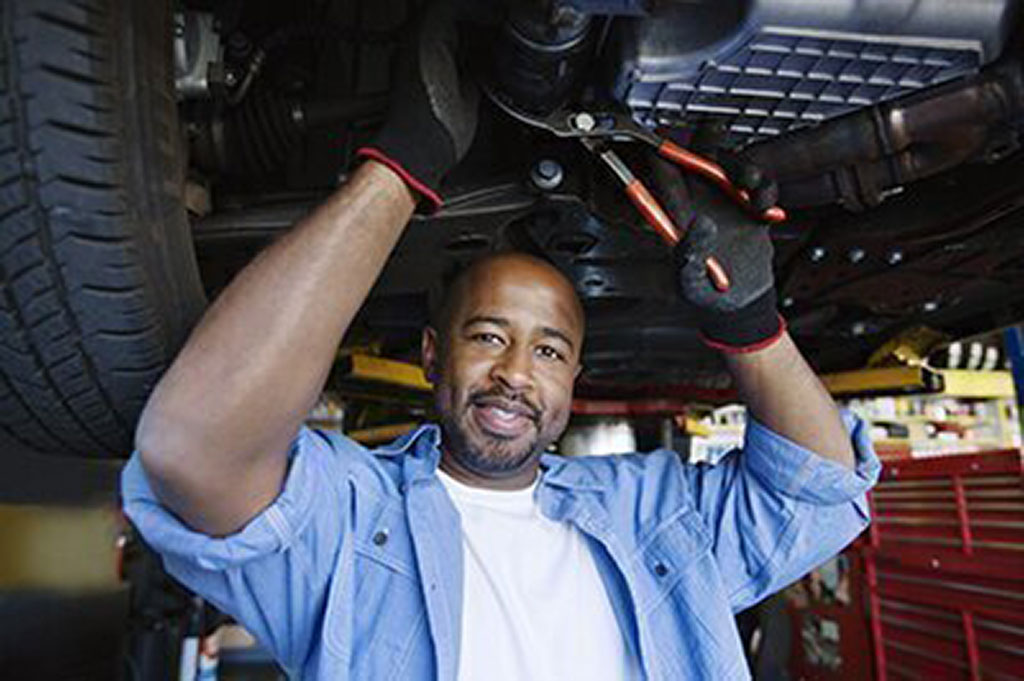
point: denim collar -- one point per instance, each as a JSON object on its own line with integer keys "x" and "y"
{"x": 421, "y": 441}
{"x": 567, "y": 472}
{"x": 417, "y": 451}
{"x": 422, "y": 452}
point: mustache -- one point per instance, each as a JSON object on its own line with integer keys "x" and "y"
{"x": 509, "y": 401}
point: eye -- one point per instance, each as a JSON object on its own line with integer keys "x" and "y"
{"x": 486, "y": 337}
{"x": 550, "y": 353}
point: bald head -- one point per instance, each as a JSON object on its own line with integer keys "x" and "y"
{"x": 527, "y": 270}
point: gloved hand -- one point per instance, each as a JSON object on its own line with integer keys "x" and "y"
{"x": 744, "y": 318}
{"x": 433, "y": 113}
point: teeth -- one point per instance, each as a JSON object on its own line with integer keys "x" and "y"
{"x": 503, "y": 413}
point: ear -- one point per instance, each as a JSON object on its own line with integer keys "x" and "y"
{"x": 429, "y": 353}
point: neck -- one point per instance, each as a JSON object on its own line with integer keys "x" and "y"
{"x": 512, "y": 480}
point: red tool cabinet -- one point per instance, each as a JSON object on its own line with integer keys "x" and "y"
{"x": 944, "y": 564}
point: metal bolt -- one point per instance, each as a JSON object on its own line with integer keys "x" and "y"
{"x": 547, "y": 174}
{"x": 567, "y": 16}
{"x": 930, "y": 306}
{"x": 817, "y": 254}
{"x": 788, "y": 301}
{"x": 583, "y": 121}
{"x": 856, "y": 255}
{"x": 894, "y": 257}
{"x": 891, "y": 191}
{"x": 936, "y": 563}
{"x": 858, "y": 328}
{"x": 230, "y": 78}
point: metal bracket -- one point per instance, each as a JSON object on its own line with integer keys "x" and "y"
{"x": 198, "y": 59}
{"x": 909, "y": 348}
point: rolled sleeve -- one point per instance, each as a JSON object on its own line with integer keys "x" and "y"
{"x": 274, "y": 529}
{"x": 776, "y": 510}
{"x": 800, "y": 473}
{"x": 273, "y": 574}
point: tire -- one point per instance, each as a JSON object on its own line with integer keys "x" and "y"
{"x": 98, "y": 278}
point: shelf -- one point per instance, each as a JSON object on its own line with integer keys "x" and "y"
{"x": 991, "y": 443}
{"x": 921, "y": 380}
{"x": 917, "y": 418}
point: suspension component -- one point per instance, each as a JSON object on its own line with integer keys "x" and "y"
{"x": 541, "y": 55}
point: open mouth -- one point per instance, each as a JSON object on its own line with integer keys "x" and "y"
{"x": 503, "y": 419}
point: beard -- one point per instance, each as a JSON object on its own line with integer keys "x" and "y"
{"x": 488, "y": 455}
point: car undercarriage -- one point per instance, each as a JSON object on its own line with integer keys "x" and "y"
{"x": 892, "y": 128}
{"x": 892, "y": 132}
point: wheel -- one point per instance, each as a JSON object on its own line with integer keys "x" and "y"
{"x": 98, "y": 278}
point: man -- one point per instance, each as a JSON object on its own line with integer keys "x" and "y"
{"x": 459, "y": 551}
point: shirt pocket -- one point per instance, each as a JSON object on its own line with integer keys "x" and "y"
{"x": 383, "y": 608}
{"x": 676, "y": 551}
{"x": 682, "y": 599}
{"x": 390, "y": 619}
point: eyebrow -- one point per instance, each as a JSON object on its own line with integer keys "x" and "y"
{"x": 549, "y": 331}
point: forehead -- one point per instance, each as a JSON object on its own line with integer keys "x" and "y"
{"x": 521, "y": 290}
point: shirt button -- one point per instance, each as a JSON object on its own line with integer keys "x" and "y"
{"x": 381, "y": 537}
{"x": 660, "y": 569}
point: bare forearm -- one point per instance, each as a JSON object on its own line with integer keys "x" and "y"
{"x": 782, "y": 392}
{"x": 223, "y": 415}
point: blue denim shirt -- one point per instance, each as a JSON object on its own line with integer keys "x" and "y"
{"x": 355, "y": 571}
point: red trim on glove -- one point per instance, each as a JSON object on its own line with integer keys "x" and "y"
{"x": 744, "y": 349}
{"x": 412, "y": 182}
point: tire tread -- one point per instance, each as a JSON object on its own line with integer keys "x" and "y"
{"x": 82, "y": 335}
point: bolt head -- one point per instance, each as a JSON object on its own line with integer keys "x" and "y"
{"x": 788, "y": 301}
{"x": 894, "y": 257}
{"x": 567, "y": 16}
{"x": 858, "y": 328}
{"x": 583, "y": 121}
{"x": 930, "y": 306}
{"x": 856, "y": 255}
{"x": 547, "y": 174}
{"x": 817, "y": 254}
{"x": 548, "y": 168}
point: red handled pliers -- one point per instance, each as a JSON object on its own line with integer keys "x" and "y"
{"x": 594, "y": 129}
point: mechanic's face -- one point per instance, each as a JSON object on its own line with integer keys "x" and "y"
{"x": 504, "y": 369}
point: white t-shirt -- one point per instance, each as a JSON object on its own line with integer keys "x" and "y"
{"x": 534, "y": 607}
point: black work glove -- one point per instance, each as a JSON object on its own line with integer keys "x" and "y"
{"x": 743, "y": 318}
{"x": 432, "y": 117}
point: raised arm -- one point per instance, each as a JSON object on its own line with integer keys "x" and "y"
{"x": 214, "y": 436}
{"x": 782, "y": 392}
{"x": 779, "y": 388}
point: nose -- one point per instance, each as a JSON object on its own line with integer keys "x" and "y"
{"x": 514, "y": 369}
